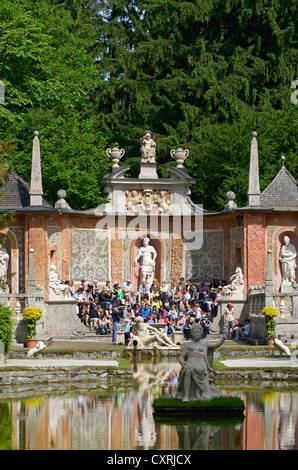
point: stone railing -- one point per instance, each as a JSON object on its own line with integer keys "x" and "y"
{"x": 17, "y": 302}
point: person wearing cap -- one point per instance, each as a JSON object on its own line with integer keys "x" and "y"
{"x": 229, "y": 318}
{"x": 243, "y": 330}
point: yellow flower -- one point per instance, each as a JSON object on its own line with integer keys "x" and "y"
{"x": 269, "y": 312}
{"x": 32, "y": 314}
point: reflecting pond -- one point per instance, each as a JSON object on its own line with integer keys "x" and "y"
{"x": 92, "y": 417}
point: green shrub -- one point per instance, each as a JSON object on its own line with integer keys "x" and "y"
{"x": 6, "y": 327}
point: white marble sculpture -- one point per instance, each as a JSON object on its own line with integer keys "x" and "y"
{"x": 287, "y": 258}
{"x": 145, "y": 336}
{"x": 234, "y": 290}
{"x": 4, "y": 260}
{"x": 148, "y": 147}
{"x": 57, "y": 290}
{"x": 37, "y": 349}
{"x": 278, "y": 344}
{"x": 147, "y": 266}
{"x": 196, "y": 376}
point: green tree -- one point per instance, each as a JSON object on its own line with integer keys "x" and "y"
{"x": 197, "y": 73}
{"x": 48, "y": 69}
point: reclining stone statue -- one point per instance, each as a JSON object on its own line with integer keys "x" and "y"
{"x": 145, "y": 336}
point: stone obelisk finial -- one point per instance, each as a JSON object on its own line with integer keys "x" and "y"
{"x": 254, "y": 183}
{"x": 36, "y": 191}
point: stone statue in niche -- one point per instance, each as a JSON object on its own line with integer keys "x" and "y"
{"x": 148, "y": 147}
{"x": 287, "y": 259}
{"x": 4, "y": 260}
{"x": 147, "y": 266}
{"x": 145, "y": 336}
{"x": 56, "y": 289}
{"x": 235, "y": 290}
{"x": 196, "y": 376}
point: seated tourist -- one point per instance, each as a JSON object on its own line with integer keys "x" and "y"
{"x": 243, "y": 331}
{"x": 160, "y": 317}
{"x": 177, "y": 296}
{"x": 170, "y": 323}
{"x": 181, "y": 284}
{"x": 146, "y": 311}
{"x": 187, "y": 328}
{"x": 143, "y": 291}
{"x": 181, "y": 322}
{"x": 167, "y": 302}
{"x": 128, "y": 290}
{"x": 164, "y": 290}
{"x": 104, "y": 298}
{"x": 151, "y": 318}
{"x": 154, "y": 289}
{"x": 103, "y": 326}
{"x": 156, "y": 302}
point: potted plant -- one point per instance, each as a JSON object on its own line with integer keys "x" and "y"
{"x": 270, "y": 313}
{"x": 31, "y": 315}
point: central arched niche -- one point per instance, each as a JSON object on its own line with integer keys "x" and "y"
{"x": 293, "y": 236}
{"x": 137, "y": 244}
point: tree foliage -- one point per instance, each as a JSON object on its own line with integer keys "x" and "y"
{"x": 47, "y": 67}
{"x": 200, "y": 74}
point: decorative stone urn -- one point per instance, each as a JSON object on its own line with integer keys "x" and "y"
{"x": 115, "y": 155}
{"x": 179, "y": 155}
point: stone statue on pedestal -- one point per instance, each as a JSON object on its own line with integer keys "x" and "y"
{"x": 56, "y": 289}
{"x": 235, "y": 290}
{"x": 148, "y": 255}
{"x": 196, "y": 377}
{"x": 287, "y": 258}
{"x": 148, "y": 147}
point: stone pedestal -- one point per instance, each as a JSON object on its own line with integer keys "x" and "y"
{"x": 148, "y": 171}
{"x": 62, "y": 320}
{"x": 286, "y": 288}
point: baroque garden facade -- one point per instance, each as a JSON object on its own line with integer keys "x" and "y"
{"x": 103, "y": 242}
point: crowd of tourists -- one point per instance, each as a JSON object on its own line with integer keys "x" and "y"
{"x": 177, "y": 305}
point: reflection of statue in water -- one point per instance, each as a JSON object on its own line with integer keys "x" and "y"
{"x": 196, "y": 376}
{"x": 287, "y": 258}
{"x": 145, "y": 336}
{"x": 148, "y": 254}
{"x": 147, "y": 148}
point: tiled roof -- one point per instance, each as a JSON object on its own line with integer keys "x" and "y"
{"x": 16, "y": 194}
{"x": 281, "y": 192}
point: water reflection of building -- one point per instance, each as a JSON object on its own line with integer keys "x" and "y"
{"x": 124, "y": 421}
